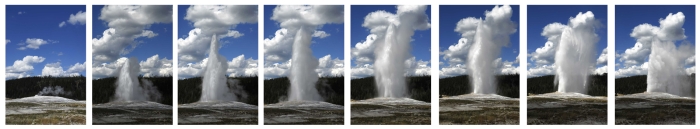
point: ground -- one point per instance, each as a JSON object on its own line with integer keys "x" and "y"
{"x": 470, "y": 109}
{"x": 303, "y": 113}
{"x": 132, "y": 113}
{"x": 642, "y": 109}
{"x": 217, "y": 113}
{"x": 566, "y": 109}
{"x": 45, "y": 113}
{"x": 390, "y": 111}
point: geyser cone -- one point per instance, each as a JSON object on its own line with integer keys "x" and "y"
{"x": 128, "y": 87}
{"x": 303, "y": 76}
{"x": 214, "y": 87}
{"x": 389, "y": 66}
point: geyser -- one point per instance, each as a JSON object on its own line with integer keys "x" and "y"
{"x": 214, "y": 87}
{"x": 393, "y": 46}
{"x": 492, "y": 33}
{"x": 302, "y": 75}
{"x": 128, "y": 87}
{"x": 574, "y": 56}
{"x": 666, "y": 62}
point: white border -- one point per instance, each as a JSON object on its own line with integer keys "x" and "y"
{"x": 434, "y": 53}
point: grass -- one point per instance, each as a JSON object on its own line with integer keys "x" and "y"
{"x": 73, "y": 116}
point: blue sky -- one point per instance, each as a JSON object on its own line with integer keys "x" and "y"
{"x": 230, "y": 47}
{"x": 420, "y": 47}
{"x": 64, "y": 44}
{"x": 333, "y": 44}
{"x": 161, "y": 45}
{"x": 627, "y": 17}
{"x": 540, "y": 16}
{"x": 451, "y": 14}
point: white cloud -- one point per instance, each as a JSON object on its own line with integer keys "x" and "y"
{"x": 601, "y": 70}
{"x": 363, "y": 52}
{"x": 413, "y": 68}
{"x": 22, "y": 68}
{"x": 276, "y": 70}
{"x": 362, "y": 71}
{"x": 7, "y": 41}
{"x": 540, "y": 71}
{"x": 603, "y": 58}
{"x": 55, "y": 69}
{"x": 154, "y": 66}
{"x": 320, "y": 34}
{"x": 126, "y": 23}
{"x": 20, "y": 13}
{"x": 212, "y": 20}
{"x": 77, "y": 18}
{"x": 33, "y": 43}
{"x": 632, "y": 70}
{"x": 240, "y": 66}
{"x": 330, "y": 67}
{"x": 63, "y": 23}
{"x": 455, "y": 70}
{"x": 107, "y": 69}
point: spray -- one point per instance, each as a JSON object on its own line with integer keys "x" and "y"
{"x": 303, "y": 76}
{"x": 491, "y": 34}
{"x": 128, "y": 86}
{"x": 575, "y": 53}
{"x": 393, "y": 46}
{"x": 214, "y": 86}
{"x": 666, "y": 61}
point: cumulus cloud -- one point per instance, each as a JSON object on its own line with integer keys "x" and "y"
{"x": 126, "y": 23}
{"x": 540, "y": 71}
{"x": 154, "y": 66}
{"x": 241, "y": 66}
{"x": 34, "y": 43}
{"x": 217, "y": 20}
{"x": 330, "y": 67}
{"x": 55, "y": 69}
{"x": 635, "y": 59}
{"x": 320, "y": 34}
{"x": 77, "y": 18}
{"x": 22, "y": 68}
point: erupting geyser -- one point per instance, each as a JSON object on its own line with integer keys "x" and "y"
{"x": 214, "y": 87}
{"x": 393, "y": 46}
{"x": 492, "y": 33}
{"x": 666, "y": 61}
{"x": 128, "y": 87}
{"x": 575, "y": 53}
{"x": 303, "y": 76}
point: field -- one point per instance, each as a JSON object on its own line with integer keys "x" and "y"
{"x": 61, "y": 101}
{"x": 191, "y": 112}
{"x": 545, "y": 106}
